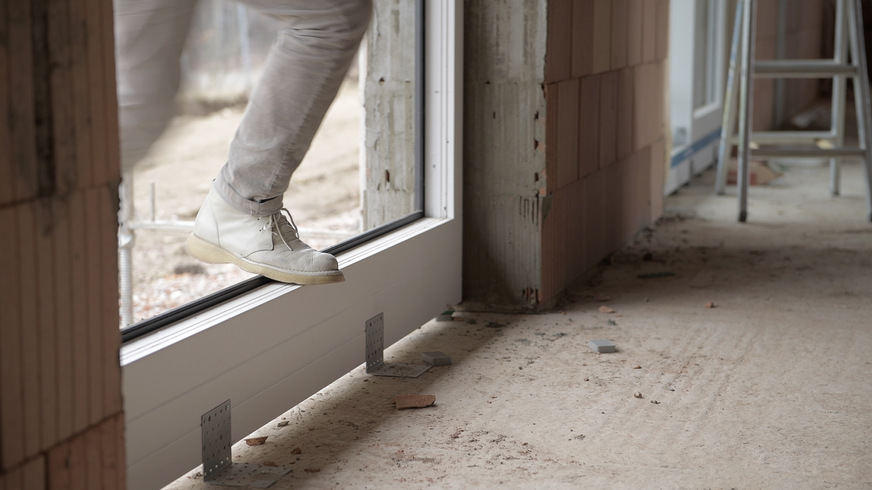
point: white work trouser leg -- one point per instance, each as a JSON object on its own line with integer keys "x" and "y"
{"x": 304, "y": 69}
{"x": 149, "y": 39}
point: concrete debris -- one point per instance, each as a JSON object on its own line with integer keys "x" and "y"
{"x": 605, "y": 309}
{"x": 602, "y": 346}
{"x": 256, "y": 441}
{"x": 637, "y": 394}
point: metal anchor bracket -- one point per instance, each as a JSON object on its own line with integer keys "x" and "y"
{"x": 375, "y": 353}
{"x": 218, "y": 467}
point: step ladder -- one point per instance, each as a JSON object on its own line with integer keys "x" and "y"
{"x": 802, "y": 144}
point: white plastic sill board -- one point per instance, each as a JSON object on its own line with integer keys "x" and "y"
{"x": 276, "y": 346}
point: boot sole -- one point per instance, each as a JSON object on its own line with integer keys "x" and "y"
{"x": 213, "y": 254}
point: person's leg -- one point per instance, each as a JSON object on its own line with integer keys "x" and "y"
{"x": 302, "y": 75}
{"x": 242, "y": 221}
{"x": 149, "y": 38}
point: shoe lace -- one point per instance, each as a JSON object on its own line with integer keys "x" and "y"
{"x": 275, "y": 222}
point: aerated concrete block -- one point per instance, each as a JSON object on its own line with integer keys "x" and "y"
{"x": 602, "y": 346}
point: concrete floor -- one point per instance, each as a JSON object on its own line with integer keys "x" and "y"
{"x": 743, "y": 362}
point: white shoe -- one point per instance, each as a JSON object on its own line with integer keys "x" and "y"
{"x": 267, "y": 245}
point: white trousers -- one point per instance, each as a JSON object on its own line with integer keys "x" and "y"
{"x": 303, "y": 71}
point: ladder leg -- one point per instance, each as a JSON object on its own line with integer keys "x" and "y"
{"x": 837, "y": 123}
{"x": 746, "y": 94}
{"x": 728, "y": 121}
{"x": 861, "y": 95}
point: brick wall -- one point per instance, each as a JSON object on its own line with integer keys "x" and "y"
{"x": 564, "y": 150}
{"x": 565, "y": 162}
{"x": 605, "y": 147}
{"x": 805, "y": 20}
{"x": 60, "y": 410}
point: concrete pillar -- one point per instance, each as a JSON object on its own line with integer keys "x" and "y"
{"x": 388, "y": 88}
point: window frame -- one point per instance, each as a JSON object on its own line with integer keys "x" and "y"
{"x": 250, "y": 351}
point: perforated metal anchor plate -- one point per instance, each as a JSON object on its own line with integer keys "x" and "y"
{"x": 215, "y": 428}
{"x": 218, "y": 466}
{"x": 375, "y": 342}
{"x": 375, "y": 353}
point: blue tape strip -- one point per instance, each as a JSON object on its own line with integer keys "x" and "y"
{"x": 695, "y": 147}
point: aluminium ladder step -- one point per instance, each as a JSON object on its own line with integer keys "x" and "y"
{"x": 784, "y": 137}
{"x": 808, "y": 152}
{"x": 802, "y": 69}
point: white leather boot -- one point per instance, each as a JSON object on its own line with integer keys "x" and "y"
{"x": 267, "y": 245}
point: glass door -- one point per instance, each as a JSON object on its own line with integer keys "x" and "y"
{"x": 696, "y": 80}
{"x": 363, "y": 170}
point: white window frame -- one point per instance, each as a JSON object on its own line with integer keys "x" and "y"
{"x": 702, "y": 124}
{"x": 272, "y": 348}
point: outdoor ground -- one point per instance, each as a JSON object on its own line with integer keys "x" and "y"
{"x": 743, "y": 362}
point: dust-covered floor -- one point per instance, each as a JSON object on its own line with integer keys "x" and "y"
{"x": 743, "y": 362}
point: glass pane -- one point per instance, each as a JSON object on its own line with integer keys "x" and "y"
{"x": 360, "y": 171}
{"x": 704, "y": 55}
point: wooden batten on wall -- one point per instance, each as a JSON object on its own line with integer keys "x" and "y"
{"x": 60, "y": 409}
